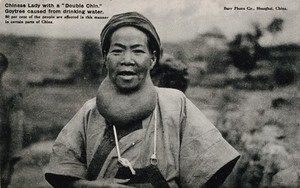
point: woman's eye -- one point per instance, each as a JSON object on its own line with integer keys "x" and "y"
{"x": 116, "y": 51}
{"x": 138, "y": 51}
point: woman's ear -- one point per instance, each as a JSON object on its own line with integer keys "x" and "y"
{"x": 153, "y": 59}
{"x": 105, "y": 60}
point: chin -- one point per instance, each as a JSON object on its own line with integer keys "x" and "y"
{"x": 127, "y": 88}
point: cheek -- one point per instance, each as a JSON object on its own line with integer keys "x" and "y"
{"x": 146, "y": 63}
{"x": 110, "y": 64}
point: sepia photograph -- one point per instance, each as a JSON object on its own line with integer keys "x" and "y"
{"x": 161, "y": 93}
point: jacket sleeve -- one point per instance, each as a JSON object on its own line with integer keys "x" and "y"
{"x": 204, "y": 153}
{"x": 68, "y": 157}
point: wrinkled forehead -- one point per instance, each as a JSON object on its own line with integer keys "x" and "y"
{"x": 129, "y": 35}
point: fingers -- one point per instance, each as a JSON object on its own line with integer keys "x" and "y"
{"x": 120, "y": 183}
{"x": 116, "y": 180}
{"x": 109, "y": 182}
{"x": 120, "y": 186}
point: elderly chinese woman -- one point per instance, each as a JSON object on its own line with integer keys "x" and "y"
{"x": 134, "y": 134}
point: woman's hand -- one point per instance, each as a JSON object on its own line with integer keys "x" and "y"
{"x": 101, "y": 183}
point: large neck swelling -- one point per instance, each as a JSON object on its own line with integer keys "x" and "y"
{"x": 124, "y": 108}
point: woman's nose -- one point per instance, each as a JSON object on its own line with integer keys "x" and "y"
{"x": 127, "y": 59}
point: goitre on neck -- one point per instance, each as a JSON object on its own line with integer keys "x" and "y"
{"x": 122, "y": 108}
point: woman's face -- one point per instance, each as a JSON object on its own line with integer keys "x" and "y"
{"x": 129, "y": 60}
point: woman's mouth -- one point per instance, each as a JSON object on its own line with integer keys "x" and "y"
{"x": 126, "y": 75}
